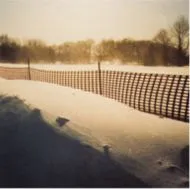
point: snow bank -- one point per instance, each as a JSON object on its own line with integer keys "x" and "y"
{"x": 146, "y": 145}
{"x": 105, "y": 66}
{"x": 37, "y": 154}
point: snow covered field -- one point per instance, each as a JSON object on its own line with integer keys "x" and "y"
{"x": 107, "y": 66}
{"x": 146, "y": 146}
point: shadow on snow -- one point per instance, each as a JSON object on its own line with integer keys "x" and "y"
{"x": 34, "y": 154}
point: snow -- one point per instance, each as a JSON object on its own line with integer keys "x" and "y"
{"x": 106, "y": 66}
{"x": 145, "y": 145}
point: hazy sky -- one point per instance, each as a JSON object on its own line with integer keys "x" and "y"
{"x": 56, "y": 21}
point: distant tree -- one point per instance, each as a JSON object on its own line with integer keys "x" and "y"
{"x": 50, "y": 56}
{"x": 149, "y": 56}
{"x": 37, "y": 50}
{"x": 126, "y": 50}
{"x": 82, "y": 51}
{"x": 4, "y": 39}
{"x": 75, "y": 52}
{"x": 105, "y": 50}
{"x": 180, "y": 34}
{"x": 162, "y": 38}
{"x": 99, "y": 53}
{"x": 166, "y": 47}
{"x": 9, "y": 49}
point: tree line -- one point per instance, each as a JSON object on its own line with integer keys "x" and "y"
{"x": 168, "y": 47}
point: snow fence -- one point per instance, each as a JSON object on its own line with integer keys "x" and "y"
{"x": 166, "y": 95}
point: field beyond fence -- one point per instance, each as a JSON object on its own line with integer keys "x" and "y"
{"x": 166, "y": 95}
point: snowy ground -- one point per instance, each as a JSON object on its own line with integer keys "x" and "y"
{"x": 37, "y": 154}
{"x": 107, "y": 66}
{"x": 146, "y": 146}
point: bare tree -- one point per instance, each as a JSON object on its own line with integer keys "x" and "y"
{"x": 180, "y": 34}
{"x": 162, "y": 37}
{"x": 98, "y": 52}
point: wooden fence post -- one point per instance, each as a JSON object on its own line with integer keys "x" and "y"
{"x": 99, "y": 76}
{"x": 29, "y": 76}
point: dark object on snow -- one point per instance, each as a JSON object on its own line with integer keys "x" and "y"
{"x": 106, "y": 150}
{"x": 36, "y": 111}
{"x": 61, "y": 121}
{"x": 184, "y": 155}
{"x": 159, "y": 162}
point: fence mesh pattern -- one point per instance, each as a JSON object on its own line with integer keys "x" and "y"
{"x": 160, "y": 94}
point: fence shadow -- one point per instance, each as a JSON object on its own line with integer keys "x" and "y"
{"x": 34, "y": 154}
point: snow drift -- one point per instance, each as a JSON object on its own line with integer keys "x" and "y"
{"x": 148, "y": 147}
{"x": 37, "y": 154}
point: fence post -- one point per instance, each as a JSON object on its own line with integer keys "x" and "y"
{"x": 29, "y": 76}
{"x": 99, "y": 76}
